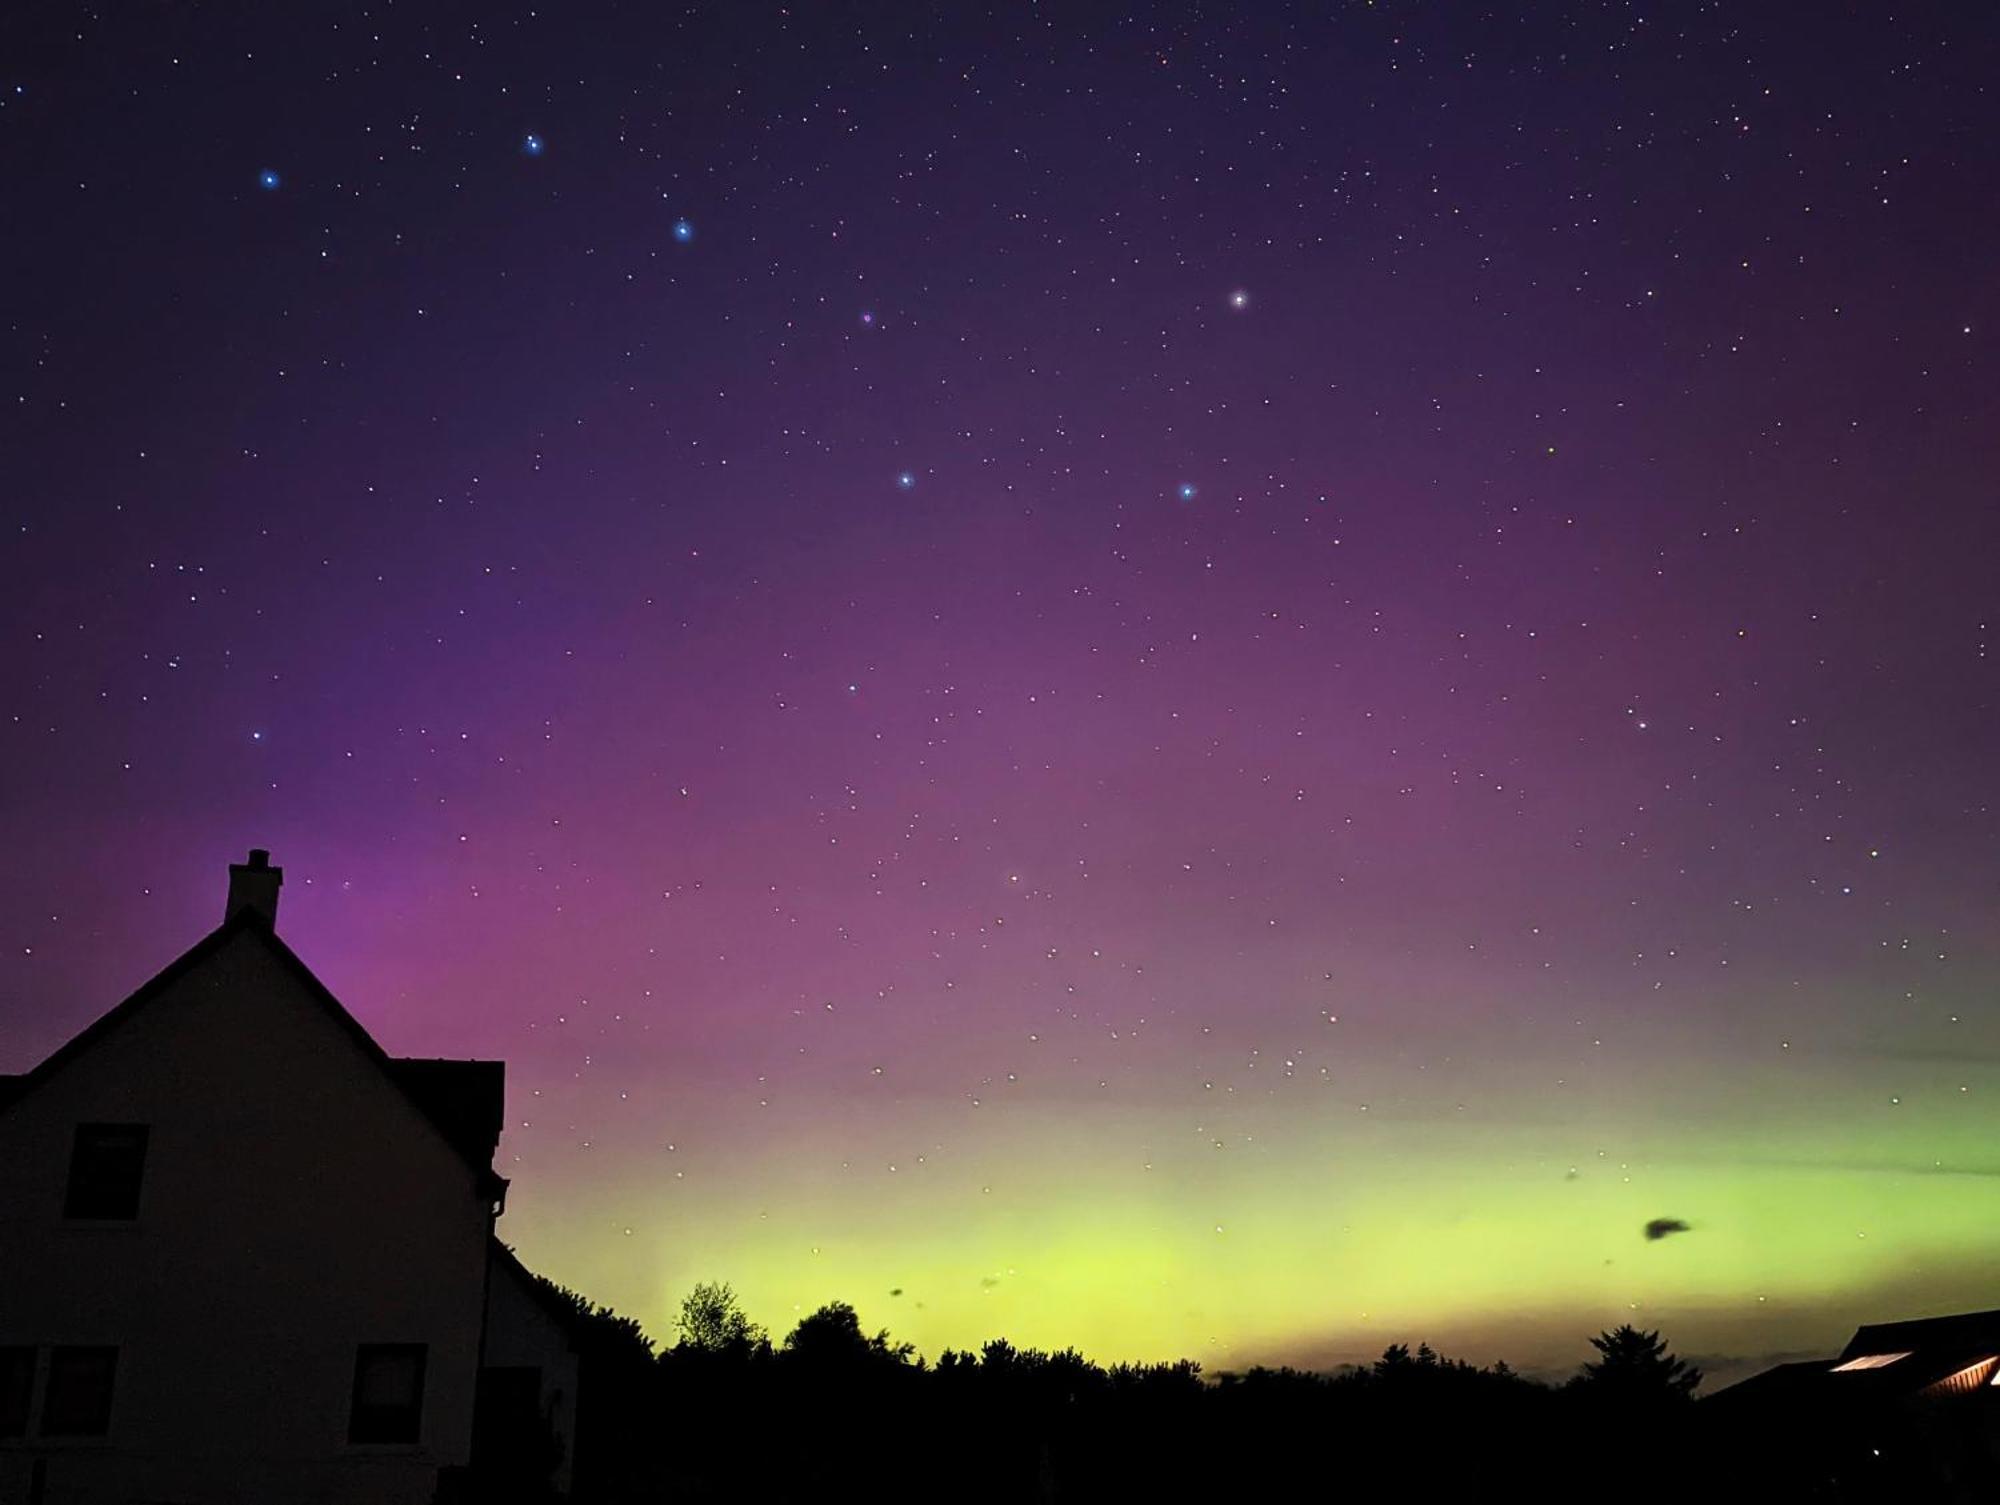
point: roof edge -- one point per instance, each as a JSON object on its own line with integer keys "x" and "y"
{"x": 489, "y": 1183}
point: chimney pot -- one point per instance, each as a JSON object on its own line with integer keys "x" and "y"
{"x": 254, "y": 885}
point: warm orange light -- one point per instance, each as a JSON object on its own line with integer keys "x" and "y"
{"x": 1966, "y": 1380}
{"x": 1870, "y": 1361}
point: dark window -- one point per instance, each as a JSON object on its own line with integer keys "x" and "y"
{"x": 388, "y": 1393}
{"x": 105, "y": 1168}
{"x": 78, "y": 1403}
{"x": 17, "y": 1388}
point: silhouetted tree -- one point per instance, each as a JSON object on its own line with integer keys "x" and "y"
{"x": 598, "y": 1329}
{"x": 615, "y": 1398}
{"x": 1014, "y": 1425}
{"x": 1636, "y": 1367}
{"x": 831, "y": 1337}
{"x": 712, "y": 1321}
{"x": 1395, "y": 1359}
{"x": 1180, "y": 1378}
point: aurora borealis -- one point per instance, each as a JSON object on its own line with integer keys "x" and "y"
{"x": 1237, "y": 681}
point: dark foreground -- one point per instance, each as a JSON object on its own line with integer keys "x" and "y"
{"x": 834, "y": 1413}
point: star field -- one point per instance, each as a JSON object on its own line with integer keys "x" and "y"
{"x": 1238, "y": 682}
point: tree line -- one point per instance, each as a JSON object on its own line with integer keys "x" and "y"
{"x": 833, "y": 1411}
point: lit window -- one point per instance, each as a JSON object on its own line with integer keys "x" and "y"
{"x": 1871, "y": 1361}
{"x": 1959, "y": 1382}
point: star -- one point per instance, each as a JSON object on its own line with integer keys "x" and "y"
{"x": 683, "y": 230}
{"x": 1239, "y": 300}
{"x": 532, "y": 145}
{"x": 1185, "y": 491}
{"x": 867, "y": 318}
{"x": 268, "y": 180}
{"x": 906, "y": 479}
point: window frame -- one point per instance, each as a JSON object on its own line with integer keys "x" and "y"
{"x": 364, "y": 1430}
{"x": 51, "y": 1378}
{"x": 32, "y": 1368}
{"x": 78, "y": 1208}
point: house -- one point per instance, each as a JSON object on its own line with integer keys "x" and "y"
{"x": 1906, "y": 1411}
{"x": 246, "y": 1255}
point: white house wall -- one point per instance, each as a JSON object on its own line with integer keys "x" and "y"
{"x": 520, "y": 1331}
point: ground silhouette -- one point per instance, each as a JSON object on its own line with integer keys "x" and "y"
{"x": 834, "y": 1411}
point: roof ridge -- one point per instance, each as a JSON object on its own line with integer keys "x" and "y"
{"x": 490, "y": 1183}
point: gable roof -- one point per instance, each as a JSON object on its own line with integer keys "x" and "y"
{"x": 1965, "y": 1331}
{"x": 1926, "y": 1359}
{"x": 1781, "y": 1382}
{"x": 462, "y": 1100}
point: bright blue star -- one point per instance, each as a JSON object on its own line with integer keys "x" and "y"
{"x": 1186, "y": 491}
{"x": 683, "y": 230}
{"x": 906, "y": 479}
{"x": 268, "y": 180}
{"x": 532, "y": 144}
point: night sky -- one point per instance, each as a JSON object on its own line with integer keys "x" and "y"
{"x": 1222, "y": 680}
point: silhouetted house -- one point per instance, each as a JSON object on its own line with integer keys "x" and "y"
{"x": 1907, "y": 1411}
{"x": 245, "y": 1255}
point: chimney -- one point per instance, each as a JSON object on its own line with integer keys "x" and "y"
{"x": 254, "y": 885}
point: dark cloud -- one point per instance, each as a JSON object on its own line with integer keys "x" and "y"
{"x": 1659, "y": 1228}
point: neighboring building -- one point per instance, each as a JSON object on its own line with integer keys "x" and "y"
{"x": 1908, "y": 1411}
{"x": 246, "y": 1256}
